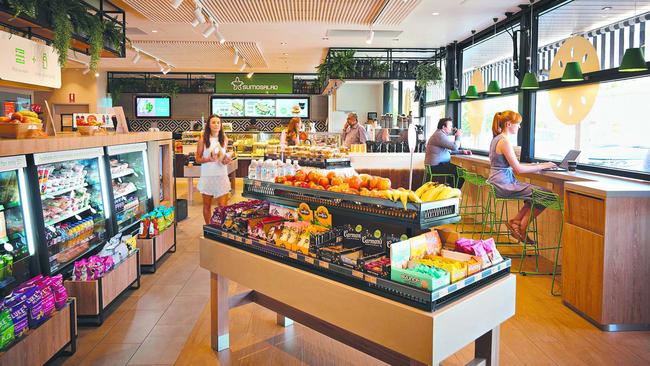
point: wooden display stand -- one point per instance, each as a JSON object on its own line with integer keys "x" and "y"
{"x": 151, "y": 250}
{"x": 95, "y": 296}
{"x": 43, "y": 343}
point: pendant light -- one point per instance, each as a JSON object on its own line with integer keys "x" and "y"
{"x": 454, "y": 96}
{"x": 493, "y": 87}
{"x": 572, "y": 72}
{"x": 530, "y": 79}
{"x": 472, "y": 92}
{"x": 633, "y": 59}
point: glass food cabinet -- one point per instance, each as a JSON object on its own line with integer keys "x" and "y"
{"x": 74, "y": 205}
{"x": 18, "y": 260}
{"x": 252, "y": 144}
{"x": 129, "y": 171}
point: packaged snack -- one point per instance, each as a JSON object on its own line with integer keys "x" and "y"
{"x": 474, "y": 263}
{"x": 352, "y": 236}
{"x": 47, "y": 296}
{"x": 60, "y": 293}
{"x": 373, "y": 241}
{"x": 17, "y": 306}
{"x": 6, "y": 328}
{"x": 421, "y": 276}
{"x": 379, "y": 266}
{"x": 457, "y": 269}
{"x": 287, "y": 213}
{"x": 34, "y": 304}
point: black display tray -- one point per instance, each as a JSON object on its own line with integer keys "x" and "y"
{"x": 419, "y": 298}
{"x": 417, "y": 216}
{"x": 331, "y": 163}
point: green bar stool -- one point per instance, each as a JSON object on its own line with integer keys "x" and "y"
{"x": 550, "y": 201}
{"x": 497, "y": 207}
{"x": 477, "y": 209}
{"x": 429, "y": 175}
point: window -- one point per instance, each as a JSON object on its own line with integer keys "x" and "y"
{"x": 607, "y": 30}
{"x": 433, "y": 115}
{"x": 488, "y": 60}
{"x": 607, "y": 121}
{"x": 476, "y": 120}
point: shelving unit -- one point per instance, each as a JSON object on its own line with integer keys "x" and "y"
{"x": 154, "y": 248}
{"x": 67, "y": 216}
{"x": 125, "y": 173}
{"x": 63, "y": 191}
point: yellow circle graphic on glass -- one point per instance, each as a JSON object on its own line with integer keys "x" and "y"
{"x": 571, "y": 105}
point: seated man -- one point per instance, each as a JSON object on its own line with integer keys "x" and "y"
{"x": 440, "y": 146}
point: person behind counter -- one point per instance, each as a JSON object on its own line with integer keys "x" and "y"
{"x": 211, "y": 154}
{"x": 353, "y": 132}
{"x": 441, "y": 145}
{"x": 503, "y": 167}
{"x": 294, "y": 132}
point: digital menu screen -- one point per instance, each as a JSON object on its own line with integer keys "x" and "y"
{"x": 284, "y": 108}
{"x": 153, "y": 107}
{"x": 228, "y": 107}
{"x": 259, "y": 107}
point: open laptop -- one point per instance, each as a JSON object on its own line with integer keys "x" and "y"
{"x": 564, "y": 165}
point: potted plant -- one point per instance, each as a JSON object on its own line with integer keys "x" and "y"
{"x": 339, "y": 65}
{"x": 426, "y": 73}
{"x": 27, "y": 7}
{"x": 379, "y": 69}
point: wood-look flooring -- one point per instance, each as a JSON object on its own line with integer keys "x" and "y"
{"x": 167, "y": 322}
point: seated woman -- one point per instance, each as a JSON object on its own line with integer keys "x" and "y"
{"x": 440, "y": 146}
{"x": 503, "y": 167}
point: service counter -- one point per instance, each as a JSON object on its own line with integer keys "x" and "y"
{"x": 390, "y": 165}
{"x": 605, "y": 253}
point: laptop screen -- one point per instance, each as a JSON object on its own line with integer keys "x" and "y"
{"x": 571, "y": 155}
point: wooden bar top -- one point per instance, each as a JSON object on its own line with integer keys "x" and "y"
{"x": 601, "y": 185}
{"x": 68, "y": 141}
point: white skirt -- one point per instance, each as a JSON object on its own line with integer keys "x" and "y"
{"x": 214, "y": 185}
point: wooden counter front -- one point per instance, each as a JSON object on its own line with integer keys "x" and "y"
{"x": 70, "y": 141}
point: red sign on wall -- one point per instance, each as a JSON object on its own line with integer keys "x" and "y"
{"x": 71, "y": 98}
{"x": 9, "y": 107}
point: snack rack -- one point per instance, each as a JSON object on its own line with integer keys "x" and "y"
{"x": 419, "y": 298}
{"x": 416, "y": 218}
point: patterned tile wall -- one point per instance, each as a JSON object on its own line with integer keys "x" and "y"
{"x": 180, "y": 125}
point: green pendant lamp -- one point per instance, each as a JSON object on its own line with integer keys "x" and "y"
{"x": 454, "y": 96}
{"x": 472, "y": 92}
{"x": 633, "y": 60}
{"x": 493, "y": 88}
{"x": 530, "y": 82}
{"x": 572, "y": 72}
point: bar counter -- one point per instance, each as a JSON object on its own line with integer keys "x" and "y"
{"x": 605, "y": 252}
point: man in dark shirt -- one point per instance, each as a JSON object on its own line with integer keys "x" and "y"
{"x": 441, "y": 145}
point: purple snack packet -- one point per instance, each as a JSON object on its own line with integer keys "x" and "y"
{"x": 47, "y": 296}
{"x": 17, "y": 306}
{"x": 34, "y": 303}
{"x": 60, "y": 293}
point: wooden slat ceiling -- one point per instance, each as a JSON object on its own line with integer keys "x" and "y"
{"x": 361, "y": 12}
{"x": 184, "y": 53}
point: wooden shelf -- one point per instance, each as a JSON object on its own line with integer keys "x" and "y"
{"x": 153, "y": 249}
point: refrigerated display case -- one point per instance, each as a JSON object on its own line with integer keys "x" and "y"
{"x": 18, "y": 260}
{"x": 73, "y": 219}
{"x": 129, "y": 170}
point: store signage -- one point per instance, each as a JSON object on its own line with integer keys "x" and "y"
{"x": 258, "y": 84}
{"x": 9, "y": 107}
{"x": 92, "y": 119}
{"x": 29, "y": 62}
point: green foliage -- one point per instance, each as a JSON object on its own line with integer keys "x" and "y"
{"x": 339, "y": 65}
{"x": 426, "y": 73}
{"x": 112, "y": 34}
{"x": 63, "y": 29}
{"x": 23, "y": 6}
{"x": 96, "y": 40}
{"x": 379, "y": 68}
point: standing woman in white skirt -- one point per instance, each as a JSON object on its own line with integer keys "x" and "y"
{"x": 211, "y": 154}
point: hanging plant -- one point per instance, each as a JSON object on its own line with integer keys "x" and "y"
{"x": 23, "y": 6}
{"x": 379, "y": 68}
{"x": 426, "y": 73}
{"x": 96, "y": 41}
{"x": 339, "y": 65}
{"x": 112, "y": 34}
{"x": 169, "y": 87}
{"x": 63, "y": 29}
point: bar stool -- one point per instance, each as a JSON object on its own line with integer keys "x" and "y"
{"x": 472, "y": 180}
{"x": 428, "y": 176}
{"x": 496, "y": 218}
{"x": 551, "y": 201}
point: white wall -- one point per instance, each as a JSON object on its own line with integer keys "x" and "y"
{"x": 359, "y": 97}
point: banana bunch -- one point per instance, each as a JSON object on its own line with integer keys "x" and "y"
{"x": 401, "y": 194}
{"x": 432, "y": 191}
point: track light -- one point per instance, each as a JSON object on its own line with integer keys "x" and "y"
{"x": 209, "y": 31}
{"x": 222, "y": 40}
{"x": 168, "y": 69}
{"x": 236, "y": 59}
{"x": 371, "y": 36}
{"x": 250, "y": 74}
{"x": 176, "y": 3}
{"x": 194, "y": 23}
{"x": 137, "y": 56}
{"x": 198, "y": 14}
{"x": 243, "y": 66}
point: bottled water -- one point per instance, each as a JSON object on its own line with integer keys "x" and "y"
{"x": 252, "y": 170}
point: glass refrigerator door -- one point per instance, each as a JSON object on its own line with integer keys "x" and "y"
{"x": 16, "y": 238}
{"x": 131, "y": 184}
{"x": 75, "y": 205}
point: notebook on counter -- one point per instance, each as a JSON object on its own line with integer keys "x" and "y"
{"x": 564, "y": 165}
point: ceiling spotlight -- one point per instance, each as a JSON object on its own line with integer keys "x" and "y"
{"x": 209, "y": 31}
{"x": 236, "y": 59}
{"x": 283, "y": 43}
{"x": 222, "y": 40}
{"x": 96, "y": 74}
{"x": 243, "y": 66}
{"x": 194, "y": 23}
{"x": 435, "y": 13}
{"x": 154, "y": 31}
{"x": 168, "y": 69}
{"x": 176, "y": 3}
{"x": 371, "y": 36}
{"x": 250, "y": 74}
{"x": 198, "y": 14}
{"x": 137, "y": 56}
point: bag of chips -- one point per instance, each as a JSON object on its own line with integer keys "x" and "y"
{"x": 6, "y": 328}
{"x": 35, "y": 314}
{"x": 60, "y": 293}
{"x": 17, "y": 306}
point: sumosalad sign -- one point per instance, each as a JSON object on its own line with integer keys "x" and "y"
{"x": 29, "y": 62}
{"x": 258, "y": 84}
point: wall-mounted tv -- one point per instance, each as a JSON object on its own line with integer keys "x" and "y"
{"x": 259, "y": 107}
{"x": 153, "y": 107}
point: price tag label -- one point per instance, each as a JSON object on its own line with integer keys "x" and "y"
{"x": 293, "y": 255}
{"x": 309, "y": 260}
{"x": 248, "y": 241}
{"x": 324, "y": 264}
{"x": 357, "y": 274}
{"x": 77, "y": 217}
{"x": 93, "y": 210}
{"x": 370, "y": 279}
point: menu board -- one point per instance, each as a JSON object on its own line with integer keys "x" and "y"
{"x": 284, "y": 107}
{"x": 259, "y": 107}
{"x": 228, "y": 107}
{"x": 154, "y": 107}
